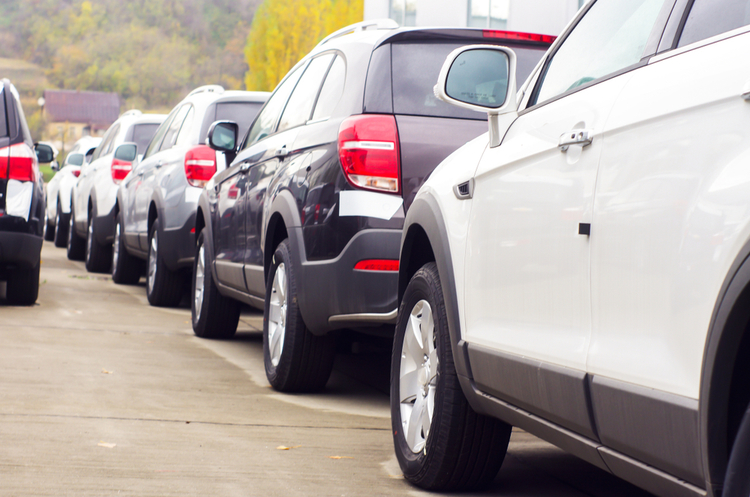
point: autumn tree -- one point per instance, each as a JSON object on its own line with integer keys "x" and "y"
{"x": 283, "y": 32}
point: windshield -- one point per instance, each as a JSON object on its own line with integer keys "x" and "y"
{"x": 75, "y": 159}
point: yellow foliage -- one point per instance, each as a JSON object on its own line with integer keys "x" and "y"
{"x": 283, "y": 32}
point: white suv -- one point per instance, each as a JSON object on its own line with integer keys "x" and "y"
{"x": 582, "y": 271}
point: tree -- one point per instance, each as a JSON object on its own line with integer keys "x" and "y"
{"x": 283, "y": 32}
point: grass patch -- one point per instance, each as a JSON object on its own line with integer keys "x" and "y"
{"x": 46, "y": 171}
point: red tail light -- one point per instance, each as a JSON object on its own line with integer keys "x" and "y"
{"x": 200, "y": 165}
{"x": 120, "y": 169}
{"x": 514, "y": 35}
{"x": 377, "y": 265}
{"x": 76, "y": 172}
{"x": 369, "y": 152}
{"x": 18, "y": 162}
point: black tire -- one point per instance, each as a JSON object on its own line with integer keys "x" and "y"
{"x": 164, "y": 288}
{"x": 76, "y": 244}
{"x": 126, "y": 269}
{"x": 462, "y": 450}
{"x": 304, "y": 361}
{"x": 214, "y": 315}
{"x": 22, "y": 287}
{"x": 49, "y": 230}
{"x": 62, "y": 221}
{"x": 98, "y": 257}
{"x": 737, "y": 479}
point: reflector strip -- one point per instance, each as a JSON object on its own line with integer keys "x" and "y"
{"x": 514, "y": 35}
{"x": 369, "y": 145}
{"x": 377, "y": 265}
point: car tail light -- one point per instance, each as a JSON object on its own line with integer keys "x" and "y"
{"x": 369, "y": 152}
{"x": 377, "y": 265}
{"x": 18, "y": 162}
{"x": 120, "y": 169}
{"x": 516, "y": 36}
{"x": 76, "y": 172}
{"x": 200, "y": 165}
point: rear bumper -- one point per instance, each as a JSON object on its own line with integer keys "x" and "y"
{"x": 333, "y": 295}
{"x": 177, "y": 246}
{"x": 23, "y": 249}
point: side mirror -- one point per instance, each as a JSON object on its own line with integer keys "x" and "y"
{"x": 480, "y": 78}
{"x": 222, "y": 136}
{"x": 44, "y": 153}
{"x": 55, "y": 166}
{"x": 126, "y": 152}
{"x": 89, "y": 154}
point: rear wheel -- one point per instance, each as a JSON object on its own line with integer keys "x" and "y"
{"x": 214, "y": 315}
{"x": 164, "y": 287}
{"x": 126, "y": 269}
{"x": 76, "y": 244}
{"x": 295, "y": 359}
{"x": 49, "y": 230}
{"x": 98, "y": 257}
{"x": 22, "y": 287}
{"x": 440, "y": 442}
{"x": 61, "y": 227}
{"x": 737, "y": 480}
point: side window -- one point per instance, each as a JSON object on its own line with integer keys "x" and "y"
{"x": 332, "y": 89}
{"x": 299, "y": 108}
{"x": 111, "y": 141}
{"x": 108, "y": 137}
{"x": 712, "y": 17}
{"x": 610, "y": 37}
{"x": 183, "y": 137}
{"x": 174, "y": 127}
{"x": 153, "y": 147}
{"x": 142, "y": 133}
{"x": 267, "y": 118}
{"x": 3, "y": 124}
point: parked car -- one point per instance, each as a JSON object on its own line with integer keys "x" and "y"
{"x": 155, "y": 209}
{"x": 60, "y": 187}
{"x": 95, "y": 193}
{"x": 306, "y": 223}
{"x": 21, "y": 200}
{"x": 582, "y": 272}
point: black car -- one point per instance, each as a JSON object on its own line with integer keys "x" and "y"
{"x": 306, "y": 223}
{"x": 21, "y": 200}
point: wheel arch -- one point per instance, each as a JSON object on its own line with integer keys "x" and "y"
{"x": 283, "y": 217}
{"x": 425, "y": 240}
{"x": 726, "y": 371}
{"x": 153, "y": 214}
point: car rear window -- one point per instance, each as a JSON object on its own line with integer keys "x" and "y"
{"x": 243, "y": 113}
{"x": 75, "y": 159}
{"x": 142, "y": 134}
{"x": 3, "y": 117}
{"x": 415, "y": 69}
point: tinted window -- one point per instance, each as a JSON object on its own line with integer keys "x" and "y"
{"x": 415, "y": 70}
{"x": 184, "y": 136}
{"x": 142, "y": 134}
{"x": 300, "y": 104}
{"x": 74, "y": 159}
{"x": 174, "y": 128}
{"x": 712, "y": 17}
{"x": 332, "y": 89}
{"x": 106, "y": 142}
{"x": 266, "y": 121}
{"x": 610, "y": 37}
{"x": 243, "y": 113}
{"x": 153, "y": 147}
{"x": 3, "y": 123}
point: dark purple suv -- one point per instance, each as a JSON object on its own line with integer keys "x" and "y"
{"x": 306, "y": 222}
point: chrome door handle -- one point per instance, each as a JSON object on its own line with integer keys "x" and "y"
{"x": 140, "y": 173}
{"x": 244, "y": 167}
{"x": 582, "y": 137}
{"x": 282, "y": 152}
{"x": 158, "y": 164}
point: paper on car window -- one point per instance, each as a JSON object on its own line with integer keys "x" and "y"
{"x": 368, "y": 204}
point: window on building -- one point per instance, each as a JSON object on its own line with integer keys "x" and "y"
{"x": 404, "y": 12}
{"x": 488, "y": 13}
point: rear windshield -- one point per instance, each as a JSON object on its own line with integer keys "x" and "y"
{"x": 243, "y": 113}
{"x": 142, "y": 134}
{"x": 75, "y": 159}
{"x": 415, "y": 69}
{"x": 3, "y": 118}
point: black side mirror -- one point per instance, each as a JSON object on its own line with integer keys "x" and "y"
{"x": 44, "y": 153}
{"x": 222, "y": 136}
{"x": 89, "y": 154}
{"x": 126, "y": 152}
{"x": 55, "y": 166}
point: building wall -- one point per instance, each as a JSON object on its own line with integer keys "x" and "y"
{"x": 537, "y": 16}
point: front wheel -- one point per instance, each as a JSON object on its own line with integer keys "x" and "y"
{"x": 62, "y": 221}
{"x": 737, "y": 480}
{"x": 126, "y": 269}
{"x": 76, "y": 244}
{"x": 440, "y": 442}
{"x": 49, "y": 230}
{"x": 214, "y": 315}
{"x": 98, "y": 257}
{"x": 295, "y": 359}
{"x": 163, "y": 287}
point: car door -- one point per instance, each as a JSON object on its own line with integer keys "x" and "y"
{"x": 150, "y": 170}
{"x": 670, "y": 217}
{"x": 88, "y": 174}
{"x": 263, "y": 148}
{"x": 527, "y": 287}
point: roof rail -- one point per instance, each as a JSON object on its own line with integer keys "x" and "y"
{"x": 360, "y": 26}
{"x": 207, "y": 89}
{"x": 131, "y": 112}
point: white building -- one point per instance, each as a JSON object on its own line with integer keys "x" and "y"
{"x": 535, "y": 16}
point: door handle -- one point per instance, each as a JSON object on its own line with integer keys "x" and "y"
{"x": 244, "y": 167}
{"x": 140, "y": 173}
{"x": 158, "y": 164}
{"x": 582, "y": 137}
{"x": 282, "y": 152}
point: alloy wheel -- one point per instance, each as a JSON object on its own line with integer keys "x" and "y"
{"x": 418, "y": 376}
{"x": 116, "y": 246}
{"x": 277, "y": 314}
{"x": 200, "y": 278}
{"x": 89, "y": 240}
{"x": 152, "y": 255}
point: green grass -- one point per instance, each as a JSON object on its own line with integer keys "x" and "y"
{"x": 47, "y": 172}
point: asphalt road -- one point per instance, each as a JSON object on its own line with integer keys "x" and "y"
{"x": 104, "y": 395}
